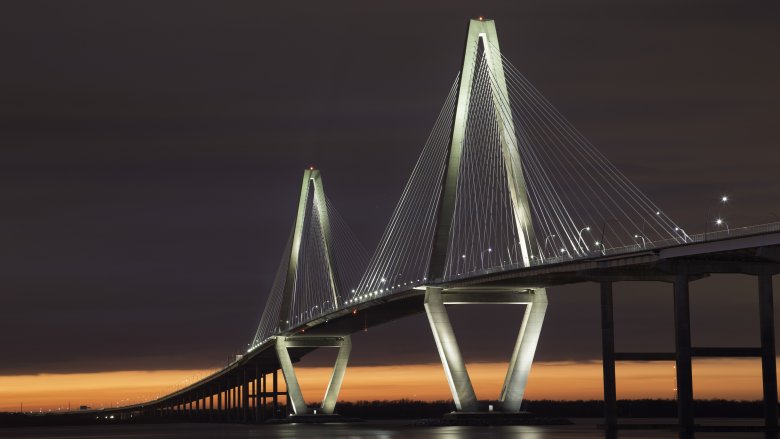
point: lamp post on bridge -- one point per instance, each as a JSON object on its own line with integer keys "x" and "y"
{"x": 721, "y": 222}
{"x": 684, "y": 235}
{"x": 719, "y": 219}
{"x": 603, "y": 230}
{"x": 579, "y": 233}
{"x": 644, "y": 240}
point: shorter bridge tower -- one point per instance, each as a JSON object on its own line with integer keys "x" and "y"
{"x": 313, "y": 211}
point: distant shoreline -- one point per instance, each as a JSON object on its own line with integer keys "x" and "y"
{"x": 411, "y": 409}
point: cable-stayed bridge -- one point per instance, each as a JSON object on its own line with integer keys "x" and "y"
{"x": 506, "y": 199}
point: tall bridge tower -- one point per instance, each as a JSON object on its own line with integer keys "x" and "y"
{"x": 482, "y": 45}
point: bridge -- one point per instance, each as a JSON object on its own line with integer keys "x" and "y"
{"x": 506, "y": 200}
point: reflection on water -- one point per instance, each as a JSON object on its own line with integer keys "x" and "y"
{"x": 584, "y": 429}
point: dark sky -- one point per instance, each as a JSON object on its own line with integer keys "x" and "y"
{"x": 151, "y": 155}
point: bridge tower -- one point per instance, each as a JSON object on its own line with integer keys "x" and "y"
{"x": 286, "y": 340}
{"x": 312, "y": 183}
{"x": 482, "y": 40}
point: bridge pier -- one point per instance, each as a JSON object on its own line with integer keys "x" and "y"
{"x": 219, "y": 415}
{"x": 229, "y": 401}
{"x": 608, "y": 356}
{"x": 245, "y": 397}
{"x": 263, "y": 388}
{"x": 682, "y": 342}
{"x": 522, "y": 356}
{"x": 295, "y": 401}
{"x": 275, "y": 389}
{"x": 211, "y": 405}
{"x": 768, "y": 359}
{"x": 235, "y": 400}
{"x": 684, "y": 352}
{"x": 256, "y": 388}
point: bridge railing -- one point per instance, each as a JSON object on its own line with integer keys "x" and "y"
{"x": 715, "y": 235}
{"x": 684, "y": 238}
{"x": 538, "y": 260}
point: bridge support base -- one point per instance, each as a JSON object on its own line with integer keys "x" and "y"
{"x": 522, "y": 356}
{"x": 294, "y": 394}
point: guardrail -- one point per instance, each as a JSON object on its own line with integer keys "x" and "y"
{"x": 683, "y": 239}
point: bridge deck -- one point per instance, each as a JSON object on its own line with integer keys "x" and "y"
{"x": 743, "y": 254}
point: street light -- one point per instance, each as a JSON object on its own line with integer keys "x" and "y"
{"x": 681, "y": 231}
{"x": 644, "y": 241}
{"x": 720, "y": 222}
{"x": 599, "y": 243}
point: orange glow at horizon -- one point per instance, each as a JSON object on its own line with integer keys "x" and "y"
{"x": 713, "y": 378}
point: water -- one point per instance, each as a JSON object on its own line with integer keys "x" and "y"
{"x": 584, "y": 429}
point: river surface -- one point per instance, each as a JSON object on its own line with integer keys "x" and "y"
{"x": 584, "y": 429}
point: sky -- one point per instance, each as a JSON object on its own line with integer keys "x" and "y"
{"x": 151, "y": 154}
{"x": 736, "y": 378}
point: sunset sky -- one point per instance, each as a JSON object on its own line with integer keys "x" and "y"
{"x": 151, "y": 154}
{"x": 735, "y": 379}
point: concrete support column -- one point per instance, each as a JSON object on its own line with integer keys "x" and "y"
{"x": 237, "y": 401}
{"x": 220, "y": 415}
{"x": 276, "y": 392}
{"x": 233, "y": 404}
{"x": 337, "y": 377}
{"x": 454, "y": 367}
{"x": 682, "y": 339}
{"x": 245, "y": 396}
{"x": 768, "y": 361}
{"x": 234, "y": 401}
{"x": 228, "y": 401}
{"x": 257, "y": 393}
{"x": 608, "y": 356}
{"x": 294, "y": 395}
{"x": 523, "y": 354}
{"x": 211, "y": 406}
{"x": 263, "y": 389}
